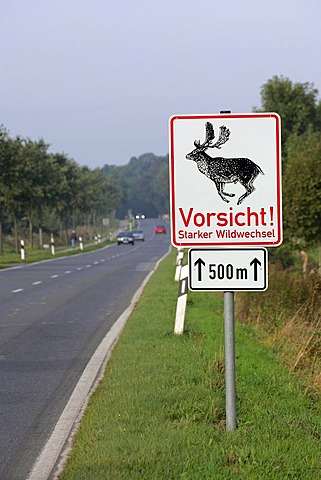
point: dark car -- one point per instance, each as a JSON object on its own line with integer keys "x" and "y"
{"x": 160, "y": 229}
{"x": 125, "y": 237}
{"x": 138, "y": 235}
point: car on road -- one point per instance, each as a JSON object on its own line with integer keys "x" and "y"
{"x": 138, "y": 235}
{"x": 125, "y": 237}
{"x": 140, "y": 215}
{"x": 160, "y": 229}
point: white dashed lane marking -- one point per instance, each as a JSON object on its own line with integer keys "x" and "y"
{"x": 39, "y": 282}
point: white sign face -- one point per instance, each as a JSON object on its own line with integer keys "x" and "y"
{"x": 228, "y": 269}
{"x": 225, "y": 174}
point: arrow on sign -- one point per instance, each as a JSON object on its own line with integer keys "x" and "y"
{"x": 199, "y": 264}
{"x": 255, "y": 262}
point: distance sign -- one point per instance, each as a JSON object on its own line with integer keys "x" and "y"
{"x": 228, "y": 269}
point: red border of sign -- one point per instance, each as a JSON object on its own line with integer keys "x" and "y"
{"x": 278, "y": 176}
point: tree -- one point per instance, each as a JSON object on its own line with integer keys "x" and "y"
{"x": 68, "y": 173}
{"x": 296, "y": 103}
{"x": 35, "y": 178}
{"x": 91, "y": 194}
{"x": 4, "y": 190}
{"x": 12, "y": 182}
{"x": 300, "y": 111}
{"x": 143, "y": 183}
{"x": 160, "y": 186}
{"x": 302, "y": 190}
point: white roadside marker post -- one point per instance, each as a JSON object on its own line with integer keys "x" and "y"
{"x": 179, "y": 260}
{"x": 22, "y": 250}
{"x": 81, "y": 245}
{"x": 181, "y": 301}
{"x": 52, "y": 243}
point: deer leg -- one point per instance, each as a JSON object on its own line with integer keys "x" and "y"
{"x": 249, "y": 189}
{"x": 228, "y": 194}
{"x": 219, "y": 186}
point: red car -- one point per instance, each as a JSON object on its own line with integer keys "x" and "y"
{"x": 160, "y": 229}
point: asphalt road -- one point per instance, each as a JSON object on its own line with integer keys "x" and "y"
{"x": 53, "y": 315}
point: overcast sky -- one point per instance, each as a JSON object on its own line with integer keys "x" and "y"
{"x": 99, "y": 79}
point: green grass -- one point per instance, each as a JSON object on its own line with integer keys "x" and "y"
{"x": 159, "y": 412}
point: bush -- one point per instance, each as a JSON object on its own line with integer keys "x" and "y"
{"x": 288, "y": 317}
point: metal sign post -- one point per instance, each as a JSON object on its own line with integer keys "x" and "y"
{"x": 225, "y": 185}
{"x": 228, "y": 270}
{"x": 229, "y": 345}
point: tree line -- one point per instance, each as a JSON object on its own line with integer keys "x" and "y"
{"x": 42, "y": 192}
{"x": 144, "y": 183}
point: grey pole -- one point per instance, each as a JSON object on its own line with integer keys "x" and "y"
{"x": 229, "y": 342}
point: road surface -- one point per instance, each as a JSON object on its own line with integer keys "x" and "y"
{"x": 53, "y": 315}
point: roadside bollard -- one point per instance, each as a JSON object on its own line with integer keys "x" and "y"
{"x": 52, "y": 243}
{"x": 181, "y": 301}
{"x": 22, "y": 250}
{"x": 81, "y": 245}
{"x": 179, "y": 260}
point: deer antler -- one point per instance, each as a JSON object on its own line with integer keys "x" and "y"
{"x": 223, "y": 137}
{"x": 209, "y": 132}
{"x": 209, "y": 137}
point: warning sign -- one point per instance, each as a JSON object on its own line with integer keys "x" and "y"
{"x": 225, "y": 175}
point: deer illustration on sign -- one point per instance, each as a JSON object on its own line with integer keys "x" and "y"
{"x": 224, "y": 170}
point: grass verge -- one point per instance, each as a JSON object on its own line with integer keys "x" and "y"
{"x": 159, "y": 412}
{"x": 9, "y": 259}
{"x": 287, "y": 318}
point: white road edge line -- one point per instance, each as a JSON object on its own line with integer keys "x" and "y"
{"x": 59, "y": 444}
{"x": 17, "y": 290}
{"x": 37, "y": 283}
